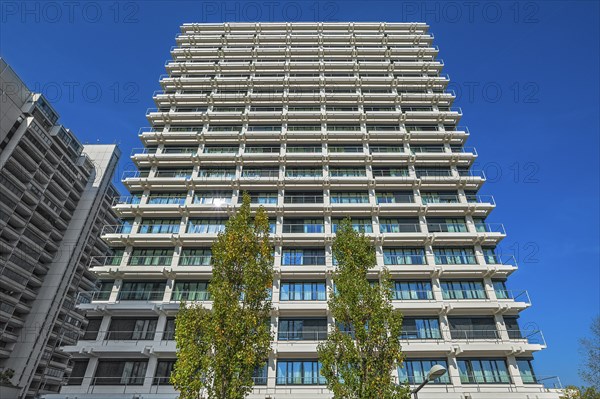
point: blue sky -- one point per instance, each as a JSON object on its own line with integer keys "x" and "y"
{"x": 526, "y": 74}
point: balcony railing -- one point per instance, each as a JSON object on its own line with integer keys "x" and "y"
{"x": 302, "y": 335}
{"x": 480, "y": 199}
{"x": 458, "y": 259}
{"x": 302, "y": 260}
{"x": 303, "y": 199}
{"x": 195, "y": 260}
{"x": 490, "y": 228}
{"x": 105, "y": 260}
{"x": 116, "y": 229}
{"x": 413, "y": 295}
{"x": 513, "y": 295}
{"x": 447, "y": 227}
{"x": 464, "y": 294}
{"x": 158, "y": 229}
{"x": 440, "y": 199}
{"x": 142, "y": 260}
{"x": 499, "y": 259}
{"x": 303, "y": 228}
{"x": 390, "y": 259}
{"x": 400, "y": 228}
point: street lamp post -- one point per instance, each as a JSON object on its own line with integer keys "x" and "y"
{"x": 434, "y": 373}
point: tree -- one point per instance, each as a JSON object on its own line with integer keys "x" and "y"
{"x": 219, "y": 349}
{"x": 358, "y": 364}
{"x": 573, "y": 392}
{"x": 590, "y": 350}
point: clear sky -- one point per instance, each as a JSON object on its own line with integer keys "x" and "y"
{"x": 526, "y": 74}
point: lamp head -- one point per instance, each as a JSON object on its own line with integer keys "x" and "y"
{"x": 436, "y": 372}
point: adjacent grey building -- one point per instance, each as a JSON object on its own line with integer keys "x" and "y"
{"x": 55, "y": 196}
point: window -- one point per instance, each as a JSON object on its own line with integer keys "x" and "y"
{"x": 303, "y": 148}
{"x": 169, "y": 333}
{"x": 263, "y": 197}
{"x": 490, "y": 256}
{"x": 195, "y": 257}
{"x": 303, "y": 257}
{"x": 255, "y": 149}
{"x": 404, "y": 256}
{"x": 142, "y": 291}
{"x": 303, "y": 197}
{"x": 303, "y": 291}
{"x": 386, "y": 148}
{"x": 512, "y": 327}
{"x": 172, "y": 173}
{"x": 220, "y": 149}
{"x": 299, "y": 372}
{"x": 347, "y": 172}
{"x": 414, "y": 371}
{"x": 303, "y": 226}
{"x": 454, "y": 256}
{"x": 260, "y": 172}
{"x": 206, "y": 226}
{"x": 166, "y": 198}
{"x": 159, "y": 226}
{"x": 349, "y": 198}
{"x": 212, "y": 198}
{"x": 526, "y": 371}
{"x": 151, "y": 257}
{"x": 483, "y": 371}
{"x": 104, "y": 290}
{"x": 190, "y": 291}
{"x": 390, "y": 172}
{"x": 399, "y": 225}
{"x": 463, "y": 290}
{"x": 420, "y": 328}
{"x": 432, "y": 172}
{"x": 131, "y": 329}
{"x": 441, "y": 197}
{"x": 303, "y": 172}
{"x": 162, "y": 375}
{"x": 78, "y": 373}
{"x": 412, "y": 290}
{"x": 501, "y": 290}
{"x": 361, "y": 225}
{"x": 260, "y": 375}
{"x": 446, "y": 225}
{"x": 92, "y": 329}
{"x": 345, "y": 148}
{"x": 120, "y": 372}
{"x": 302, "y": 329}
{"x": 222, "y": 173}
{"x": 399, "y": 197}
{"x": 473, "y": 328}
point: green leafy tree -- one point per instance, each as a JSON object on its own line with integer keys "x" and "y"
{"x": 573, "y": 392}
{"x": 590, "y": 350}
{"x": 219, "y": 349}
{"x": 363, "y": 349}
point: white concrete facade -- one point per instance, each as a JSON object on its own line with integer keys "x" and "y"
{"x": 317, "y": 122}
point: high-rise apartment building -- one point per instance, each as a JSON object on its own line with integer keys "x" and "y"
{"x": 55, "y": 196}
{"x": 317, "y": 122}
